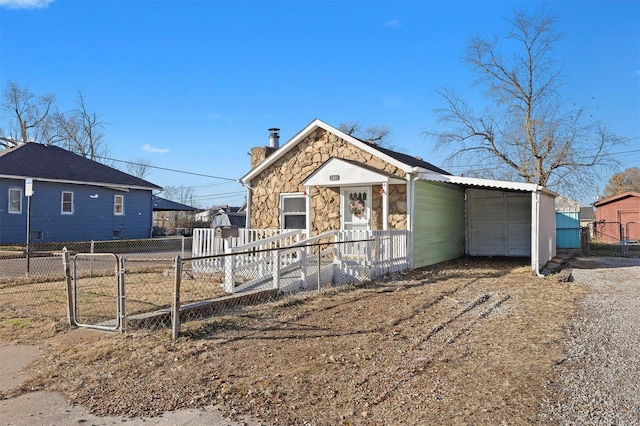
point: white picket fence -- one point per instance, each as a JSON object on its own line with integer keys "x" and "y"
{"x": 272, "y": 258}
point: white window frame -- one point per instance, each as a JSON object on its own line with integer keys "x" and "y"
{"x": 63, "y": 203}
{"x": 284, "y": 214}
{"x": 10, "y": 209}
{"x": 119, "y": 212}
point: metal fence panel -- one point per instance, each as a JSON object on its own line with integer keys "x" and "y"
{"x": 96, "y": 290}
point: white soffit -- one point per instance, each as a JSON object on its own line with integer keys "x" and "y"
{"x": 337, "y": 172}
{"x": 486, "y": 183}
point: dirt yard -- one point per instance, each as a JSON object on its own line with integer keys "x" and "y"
{"x": 466, "y": 342}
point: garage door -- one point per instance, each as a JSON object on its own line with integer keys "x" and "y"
{"x": 499, "y": 223}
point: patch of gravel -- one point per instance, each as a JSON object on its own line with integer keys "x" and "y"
{"x": 599, "y": 378}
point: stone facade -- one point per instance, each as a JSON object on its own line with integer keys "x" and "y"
{"x": 287, "y": 174}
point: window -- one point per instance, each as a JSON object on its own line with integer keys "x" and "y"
{"x": 118, "y": 205}
{"x": 15, "y": 200}
{"x": 35, "y": 235}
{"x": 67, "y": 203}
{"x": 293, "y": 211}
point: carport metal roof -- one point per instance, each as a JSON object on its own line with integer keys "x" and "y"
{"x": 486, "y": 183}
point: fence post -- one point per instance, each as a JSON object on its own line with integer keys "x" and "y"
{"x": 319, "y": 265}
{"x": 229, "y": 279}
{"x": 175, "y": 312}
{"x": 67, "y": 274}
{"x": 584, "y": 239}
{"x": 303, "y": 267}
{"x": 276, "y": 269}
{"x": 122, "y": 306}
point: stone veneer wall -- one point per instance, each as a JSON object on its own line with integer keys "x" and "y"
{"x": 288, "y": 173}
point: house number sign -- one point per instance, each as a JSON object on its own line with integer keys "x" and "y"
{"x": 334, "y": 178}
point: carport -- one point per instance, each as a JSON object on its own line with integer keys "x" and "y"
{"x": 504, "y": 218}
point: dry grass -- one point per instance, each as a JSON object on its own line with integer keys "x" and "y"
{"x": 465, "y": 342}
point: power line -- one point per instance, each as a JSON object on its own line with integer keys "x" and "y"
{"x": 168, "y": 169}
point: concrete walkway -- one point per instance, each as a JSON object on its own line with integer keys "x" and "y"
{"x": 51, "y": 408}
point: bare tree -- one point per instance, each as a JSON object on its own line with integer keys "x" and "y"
{"x": 376, "y": 134}
{"x": 138, "y": 168}
{"x": 82, "y": 131}
{"x": 29, "y": 118}
{"x": 184, "y": 195}
{"x": 524, "y": 132}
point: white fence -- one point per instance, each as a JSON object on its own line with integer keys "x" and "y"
{"x": 284, "y": 260}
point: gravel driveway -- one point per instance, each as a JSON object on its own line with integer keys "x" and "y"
{"x": 600, "y": 376}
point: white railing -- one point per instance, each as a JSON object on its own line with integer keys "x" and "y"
{"x": 205, "y": 243}
{"x": 351, "y": 255}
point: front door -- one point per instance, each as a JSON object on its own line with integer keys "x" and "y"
{"x": 356, "y": 208}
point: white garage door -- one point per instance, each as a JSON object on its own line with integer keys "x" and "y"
{"x": 499, "y": 223}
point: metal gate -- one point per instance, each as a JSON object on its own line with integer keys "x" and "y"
{"x": 95, "y": 290}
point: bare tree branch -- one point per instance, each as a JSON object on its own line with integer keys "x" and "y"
{"x": 524, "y": 126}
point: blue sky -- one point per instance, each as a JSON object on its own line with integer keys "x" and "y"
{"x": 192, "y": 85}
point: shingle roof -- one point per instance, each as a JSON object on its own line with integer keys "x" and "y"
{"x": 407, "y": 159}
{"x": 616, "y": 197}
{"x": 162, "y": 204}
{"x": 48, "y": 162}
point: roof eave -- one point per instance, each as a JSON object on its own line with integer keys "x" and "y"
{"x": 315, "y": 124}
{"x": 77, "y": 182}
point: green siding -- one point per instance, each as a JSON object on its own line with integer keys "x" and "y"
{"x": 439, "y": 223}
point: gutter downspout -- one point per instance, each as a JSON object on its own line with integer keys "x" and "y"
{"x": 247, "y": 219}
{"x": 536, "y": 194}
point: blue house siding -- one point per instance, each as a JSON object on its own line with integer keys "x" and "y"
{"x": 92, "y": 217}
{"x": 13, "y": 227}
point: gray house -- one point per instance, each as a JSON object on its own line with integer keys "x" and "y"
{"x": 72, "y": 198}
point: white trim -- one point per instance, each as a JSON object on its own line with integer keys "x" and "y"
{"x": 115, "y": 213}
{"x": 114, "y": 186}
{"x": 338, "y": 172}
{"x": 62, "y": 211}
{"x": 298, "y": 195}
{"x": 307, "y": 190}
{"x": 311, "y": 127}
{"x": 9, "y": 200}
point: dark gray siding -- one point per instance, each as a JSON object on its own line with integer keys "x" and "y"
{"x": 92, "y": 217}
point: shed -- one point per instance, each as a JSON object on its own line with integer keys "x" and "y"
{"x": 621, "y": 209}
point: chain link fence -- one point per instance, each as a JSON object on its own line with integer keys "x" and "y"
{"x": 156, "y": 285}
{"x": 32, "y": 279}
{"x": 234, "y": 283}
{"x": 612, "y": 239}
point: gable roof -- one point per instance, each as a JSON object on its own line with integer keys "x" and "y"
{"x": 52, "y": 163}
{"x": 616, "y": 197}
{"x": 404, "y": 162}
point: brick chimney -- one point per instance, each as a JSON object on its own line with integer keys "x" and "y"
{"x": 260, "y": 153}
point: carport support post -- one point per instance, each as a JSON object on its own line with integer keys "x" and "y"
{"x": 175, "y": 312}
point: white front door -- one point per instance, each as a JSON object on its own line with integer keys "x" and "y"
{"x": 356, "y": 208}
